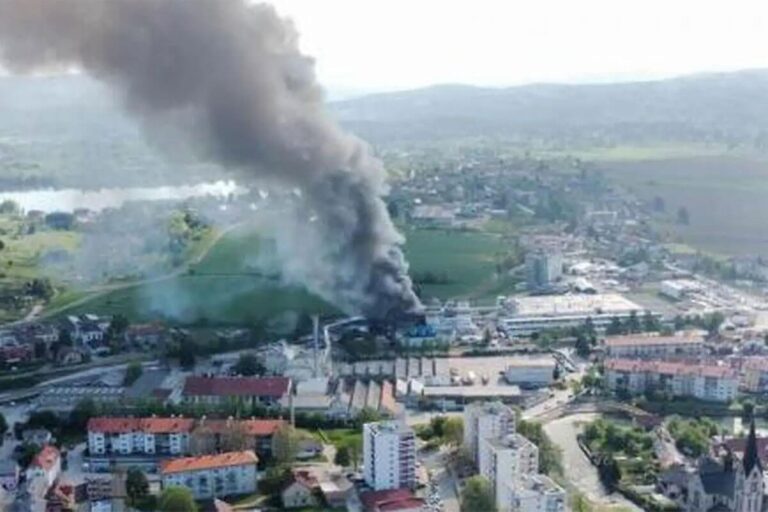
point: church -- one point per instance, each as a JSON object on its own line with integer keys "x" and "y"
{"x": 719, "y": 484}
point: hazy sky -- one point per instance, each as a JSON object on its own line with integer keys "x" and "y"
{"x": 385, "y": 44}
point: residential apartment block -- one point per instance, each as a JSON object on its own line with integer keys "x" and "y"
{"x": 654, "y": 346}
{"x": 389, "y": 455}
{"x": 710, "y": 382}
{"x": 208, "y": 476}
{"x": 150, "y": 436}
{"x": 755, "y": 375}
{"x": 486, "y": 420}
{"x": 505, "y": 461}
{"x": 178, "y": 436}
{"x": 537, "y": 493}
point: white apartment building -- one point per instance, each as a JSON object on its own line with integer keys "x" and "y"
{"x": 654, "y": 346}
{"x": 505, "y": 461}
{"x": 389, "y": 455}
{"x": 536, "y": 493}
{"x": 209, "y": 476}
{"x": 148, "y": 436}
{"x": 711, "y": 382}
{"x": 484, "y": 420}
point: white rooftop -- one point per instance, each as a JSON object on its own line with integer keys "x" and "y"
{"x": 560, "y": 305}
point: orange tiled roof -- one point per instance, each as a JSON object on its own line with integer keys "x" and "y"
{"x": 47, "y": 457}
{"x": 185, "y": 464}
{"x": 251, "y": 427}
{"x": 670, "y": 368}
{"x": 149, "y": 425}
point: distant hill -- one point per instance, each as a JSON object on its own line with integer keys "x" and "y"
{"x": 730, "y": 108}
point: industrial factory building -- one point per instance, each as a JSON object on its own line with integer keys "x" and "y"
{"x": 523, "y": 316}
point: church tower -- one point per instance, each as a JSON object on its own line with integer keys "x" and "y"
{"x": 753, "y": 474}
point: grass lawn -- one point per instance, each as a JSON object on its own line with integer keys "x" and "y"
{"x": 342, "y": 436}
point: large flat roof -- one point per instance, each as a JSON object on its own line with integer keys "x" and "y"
{"x": 560, "y": 305}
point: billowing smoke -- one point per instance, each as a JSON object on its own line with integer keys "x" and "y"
{"x": 229, "y": 78}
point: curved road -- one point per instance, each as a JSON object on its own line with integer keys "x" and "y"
{"x": 580, "y": 472}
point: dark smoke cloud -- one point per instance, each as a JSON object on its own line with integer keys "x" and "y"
{"x": 229, "y": 77}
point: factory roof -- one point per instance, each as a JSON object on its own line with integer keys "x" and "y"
{"x": 221, "y": 460}
{"x": 563, "y": 305}
{"x": 473, "y": 391}
{"x": 274, "y": 387}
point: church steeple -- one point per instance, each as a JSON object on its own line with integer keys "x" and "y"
{"x": 751, "y": 456}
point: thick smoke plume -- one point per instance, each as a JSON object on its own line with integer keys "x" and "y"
{"x": 230, "y": 78}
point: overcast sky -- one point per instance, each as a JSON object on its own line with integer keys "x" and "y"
{"x": 390, "y": 44}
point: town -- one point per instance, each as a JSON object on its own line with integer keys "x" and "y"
{"x": 588, "y": 382}
{"x": 382, "y": 257}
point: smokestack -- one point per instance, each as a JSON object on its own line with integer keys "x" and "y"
{"x": 227, "y": 77}
{"x": 316, "y": 342}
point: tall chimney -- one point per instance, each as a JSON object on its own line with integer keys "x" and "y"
{"x": 316, "y": 343}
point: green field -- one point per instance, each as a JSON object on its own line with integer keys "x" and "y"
{"x": 465, "y": 259}
{"x": 236, "y": 281}
{"x": 724, "y": 195}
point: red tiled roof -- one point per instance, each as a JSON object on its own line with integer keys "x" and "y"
{"x": 737, "y": 445}
{"x": 251, "y": 427}
{"x": 373, "y": 499}
{"x": 184, "y": 464}
{"x": 149, "y": 425}
{"x": 406, "y": 504}
{"x": 273, "y": 387}
{"x": 670, "y": 368}
{"x": 47, "y": 458}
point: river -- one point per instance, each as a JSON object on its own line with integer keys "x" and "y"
{"x": 68, "y": 199}
{"x": 579, "y": 471}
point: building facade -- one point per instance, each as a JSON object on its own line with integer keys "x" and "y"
{"x": 389, "y": 455}
{"x": 486, "y": 420}
{"x": 652, "y": 346}
{"x": 537, "y": 493}
{"x": 505, "y": 462}
{"x": 209, "y": 476}
{"x": 708, "y": 382}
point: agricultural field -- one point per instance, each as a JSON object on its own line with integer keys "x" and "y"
{"x": 725, "y": 197}
{"x": 237, "y": 281}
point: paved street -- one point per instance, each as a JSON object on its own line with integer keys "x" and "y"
{"x": 436, "y": 464}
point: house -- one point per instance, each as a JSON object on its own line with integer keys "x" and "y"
{"x": 106, "y": 494}
{"x": 253, "y": 391}
{"x": 392, "y": 500}
{"x": 46, "y": 466}
{"x": 9, "y": 474}
{"x": 148, "y": 336}
{"x": 336, "y": 491}
{"x": 300, "y": 492}
{"x": 207, "y": 476}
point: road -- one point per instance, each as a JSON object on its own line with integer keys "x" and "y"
{"x": 437, "y": 464}
{"x": 580, "y": 472}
